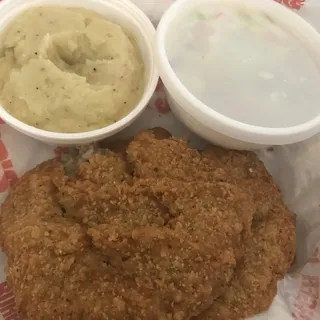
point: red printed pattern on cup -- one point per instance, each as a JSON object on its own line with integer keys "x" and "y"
{"x": 7, "y": 303}
{"x": 293, "y": 4}
{"x": 9, "y": 176}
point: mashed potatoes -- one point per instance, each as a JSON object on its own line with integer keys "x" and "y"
{"x": 68, "y": 70}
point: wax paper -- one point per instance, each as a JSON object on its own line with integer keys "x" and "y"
{"x": 295, "y": 168}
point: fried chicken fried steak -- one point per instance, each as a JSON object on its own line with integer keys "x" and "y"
{"x": 150, "y": 230}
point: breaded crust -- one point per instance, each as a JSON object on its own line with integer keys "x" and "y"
{"x": 149, "y": 230}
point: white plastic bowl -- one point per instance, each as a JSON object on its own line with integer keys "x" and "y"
{"x": 125, "y": 14}
{"x": 206, "y": 122}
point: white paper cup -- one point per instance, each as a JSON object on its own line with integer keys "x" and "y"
{"x": 121, "y": 12}
{"x": 212, "y": 125}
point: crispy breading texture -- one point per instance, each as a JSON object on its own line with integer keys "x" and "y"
{"x": 152, "y": 230}
{"x": 268, "y": 253}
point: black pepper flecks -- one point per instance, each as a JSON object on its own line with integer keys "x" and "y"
{"x": 94, "y": 69}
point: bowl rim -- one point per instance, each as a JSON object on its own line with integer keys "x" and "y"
{"x": 222, "y": 123}
{"x": 152, "y": 77}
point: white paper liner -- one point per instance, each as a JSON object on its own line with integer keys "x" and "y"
{"x": 295, "y": 168}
